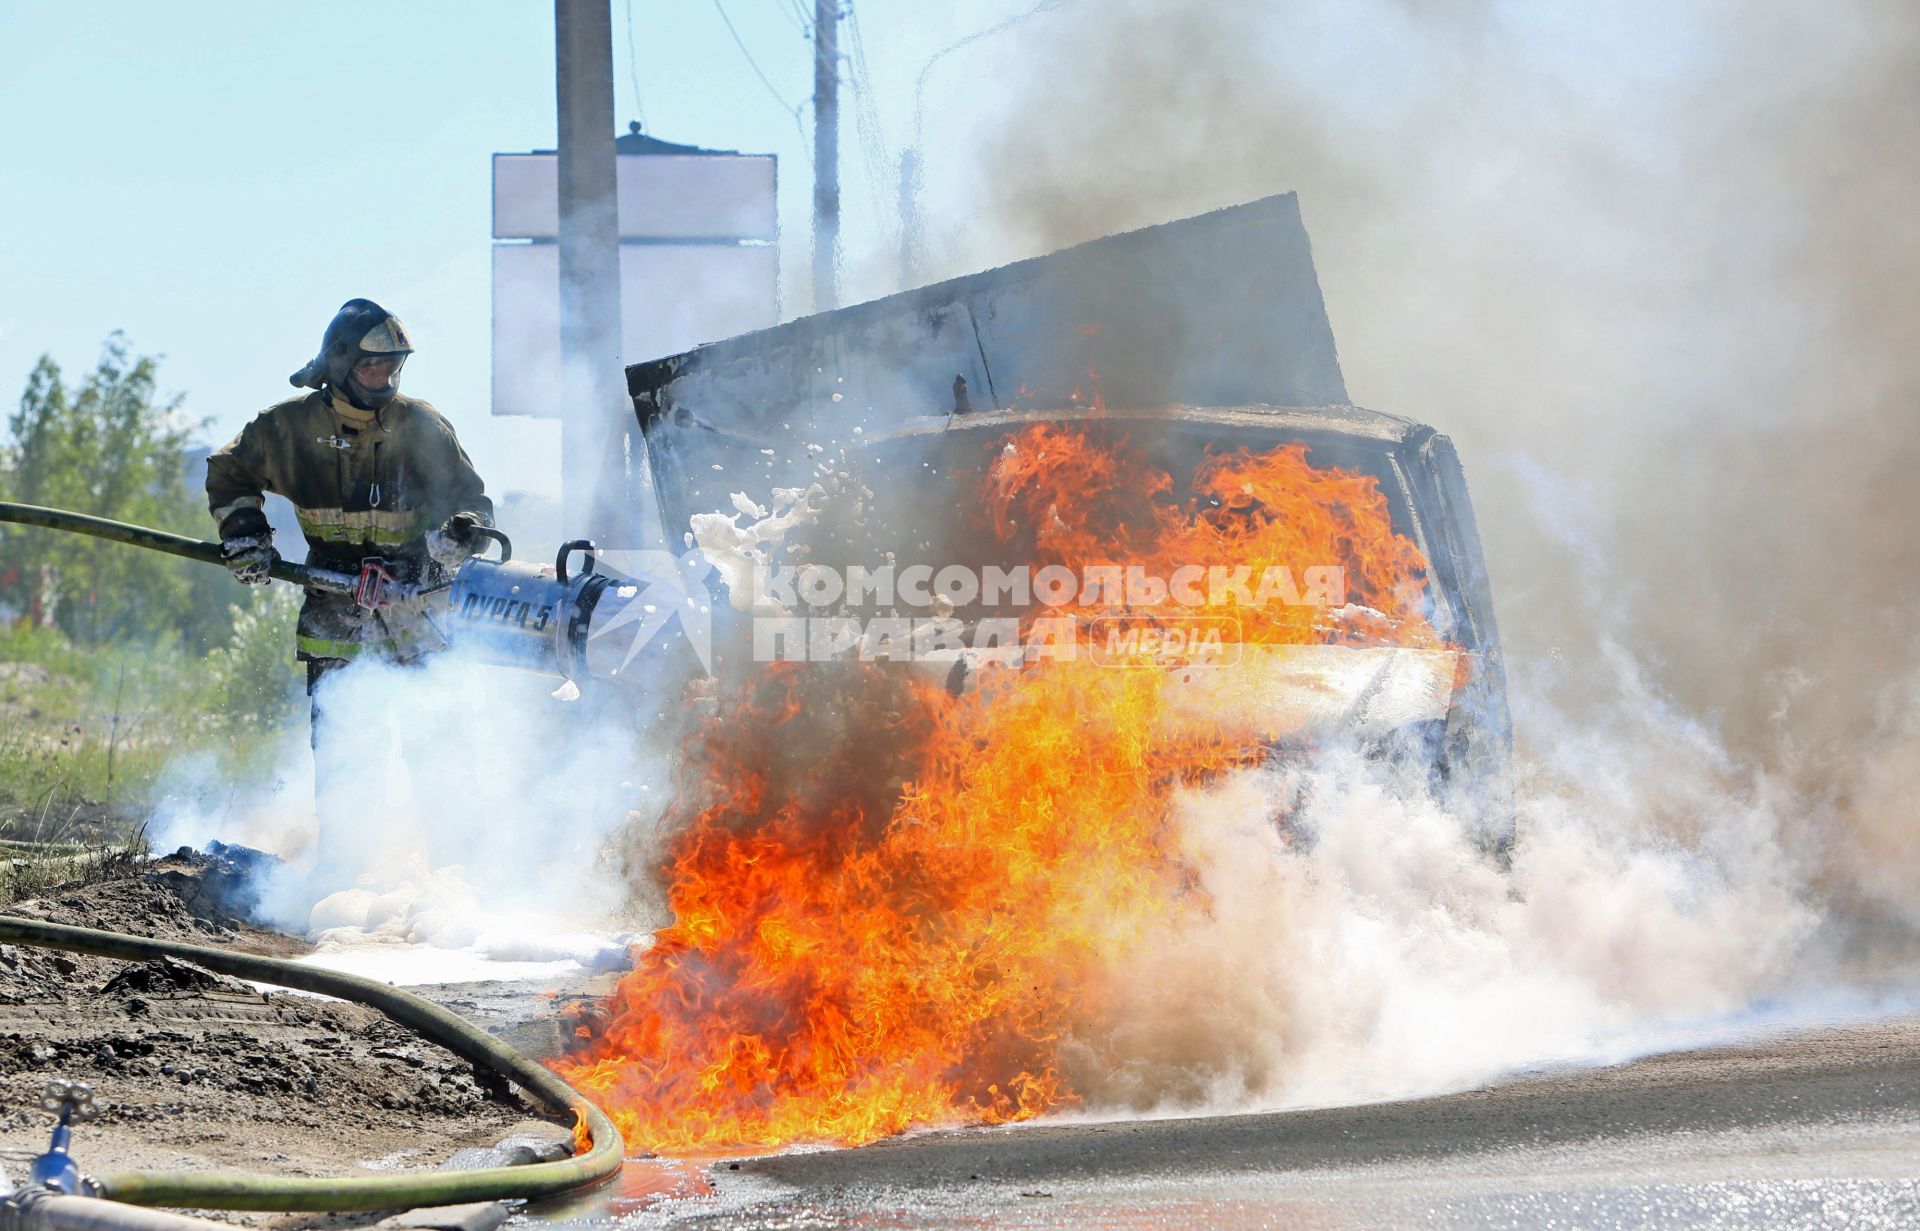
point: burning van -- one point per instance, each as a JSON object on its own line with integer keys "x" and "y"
{"x": 1139, "y": 451}
{"x": 1028, "y": 587}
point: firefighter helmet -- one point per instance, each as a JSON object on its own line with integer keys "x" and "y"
{"x": 360, "y": 355}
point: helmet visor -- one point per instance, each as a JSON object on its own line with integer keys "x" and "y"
{"x": 377, "y": 372}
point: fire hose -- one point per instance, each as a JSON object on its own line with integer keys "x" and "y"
{"x": 235, "y": 1191}
{"x": 506, "y": 612}
{"x": 172, "y": 544}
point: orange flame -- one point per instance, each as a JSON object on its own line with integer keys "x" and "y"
{"x": 1074, "y": 504}
{"x": 893, "y": 906}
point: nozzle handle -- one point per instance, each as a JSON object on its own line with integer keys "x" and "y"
{"x": 506, "y": 544}
{"x": 568, "y": 548}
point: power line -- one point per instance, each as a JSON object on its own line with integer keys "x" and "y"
{"x": 910, "y": 172}
{"x": 754, "y": 64}
{"x": 859, "y": 44}
{"x": 866, "y": 114}
{"x": 920, "y": 83}
{"x": 792, "y": 15}
{"x": 633, "y": 71}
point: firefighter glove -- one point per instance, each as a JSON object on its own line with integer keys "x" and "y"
{"x": 246, "y": 546}
{"x": 454, "y": 543}
{"x": 249, "y": 557}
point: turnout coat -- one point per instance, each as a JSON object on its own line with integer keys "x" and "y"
{"x": 363, "y": 484}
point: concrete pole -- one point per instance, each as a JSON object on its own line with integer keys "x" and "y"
{"x": 826, "y": 154}
{"x": 594, "y": 409}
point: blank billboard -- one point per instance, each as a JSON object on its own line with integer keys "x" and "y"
{"x": 661, "y": 196}
{"x": 673, "y": 297}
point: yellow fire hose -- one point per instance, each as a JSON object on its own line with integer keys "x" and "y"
{"x": 232, "y": 1191}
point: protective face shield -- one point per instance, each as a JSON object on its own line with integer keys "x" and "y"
{"x": 374, "y": 380}
{"x": 361, "y": 355}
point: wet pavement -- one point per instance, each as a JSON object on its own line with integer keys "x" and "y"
{"x": 1819, "y": 1128}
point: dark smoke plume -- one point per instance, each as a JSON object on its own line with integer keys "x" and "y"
{"x": 1655, "y": 269}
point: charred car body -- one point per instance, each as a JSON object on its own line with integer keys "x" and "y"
{"x": 1182, "y": 340}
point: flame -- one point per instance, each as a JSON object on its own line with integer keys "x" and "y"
{"x": 893, "y": 906}
{"x": 1072, "y": 503}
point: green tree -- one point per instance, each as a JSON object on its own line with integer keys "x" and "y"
{"x": 109, "y": 447}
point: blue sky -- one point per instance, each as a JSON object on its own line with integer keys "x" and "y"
{"x": 215, "y": 178}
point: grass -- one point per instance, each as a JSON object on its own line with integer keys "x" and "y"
{"x": 29, "y": 869}
{"x": 87, "y": 735}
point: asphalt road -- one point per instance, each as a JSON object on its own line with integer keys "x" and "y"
{"x": 1819, "y": 1128}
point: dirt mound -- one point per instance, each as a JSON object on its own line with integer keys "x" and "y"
{"x": 168, "y": 977}
{"x": 183, "y": 897}
{"x": 193, "y": 1069}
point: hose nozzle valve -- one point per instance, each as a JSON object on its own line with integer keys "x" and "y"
{"x": 70, "y": 1100}
{"x": 55, "y": 1169}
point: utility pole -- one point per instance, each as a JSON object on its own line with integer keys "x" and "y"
{"x": 594, "y": 413}
{"x": 826, "y": 154}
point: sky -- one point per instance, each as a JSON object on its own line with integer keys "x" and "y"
{"x": 216, "y": 178}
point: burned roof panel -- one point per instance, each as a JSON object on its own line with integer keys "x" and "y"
{"x": 1215, "y": 310}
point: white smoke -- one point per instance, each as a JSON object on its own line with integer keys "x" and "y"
{"x": 469, "y": 807}
{"x": 1359, "y": 943}
{"x": 1878, "y": 849}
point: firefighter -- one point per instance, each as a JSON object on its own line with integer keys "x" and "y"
{"x": 372, "y": 476}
